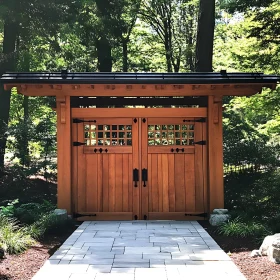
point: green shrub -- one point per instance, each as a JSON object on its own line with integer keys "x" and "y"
{"x": 254, "y": 196}
{"x": 239, "y": 228}
{"x": 49, "y": 224}
{"x": 13, "y": 238}
{"x": 31, "y": 212}
{"x": 9, "y": 210}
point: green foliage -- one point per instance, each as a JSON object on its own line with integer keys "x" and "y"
{"x": 239, "y": 228}
{"x": 13, "y": 238}
{"x": 254, "y": 194}
{"x": 49, "y": 223}
{"x": 31, "y": 212}
{"x": 15, "y": 183}
{"x": 9, "y": 210}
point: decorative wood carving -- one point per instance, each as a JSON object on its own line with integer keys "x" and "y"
{"x": 160, "y": 87}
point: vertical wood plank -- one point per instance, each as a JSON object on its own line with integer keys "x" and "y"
{"x": 112, "y": 182}
{"x": 130, "y": 184}
{"x": 150, "y": 170}
{"x": 160, "y": 183}
{"x": 190, "y": 183}
{"x": 165, "y": 180}
{"x": 136, "y": 163}
{"x": 64, "y": 147}
{"x": 205, "y": 171}
{"x": 100, "y": 182}
{"x": 119, "y": 183}
{"x": 125, "y": 183}
{"x": 155, "y": 191}
{"x": 199, "y": 191}
{"x": 179, "y": 183}
{"x": 82, "y": 190}
{"x": 91, "y": 183}
{"x": 143, "y": 145}
{"x": 171, "y": 183}
{"x": 74, "y": 163}
{"x": 215, "y": 155}
{"x": 105, "y": 182}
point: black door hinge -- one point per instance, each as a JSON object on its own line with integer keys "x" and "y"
{"x": 78, "y": 144}
{"x": 202, "y": 120}
{"x": 83, "y": 121}
{"x": 77, "y": 215}
{"x": 135, "y": 217}
{"x": 202, "y": 143}
{"x": 203, "y": 215}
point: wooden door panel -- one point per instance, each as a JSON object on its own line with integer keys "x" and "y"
{"x": 176, "y": 175}
{"x": 104, "y": 169}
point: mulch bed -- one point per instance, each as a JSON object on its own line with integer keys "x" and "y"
{"x": 239, "y": 249}
{"x": 25, "y": 266}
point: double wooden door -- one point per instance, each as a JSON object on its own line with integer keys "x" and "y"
{"x": 139, "y": 168}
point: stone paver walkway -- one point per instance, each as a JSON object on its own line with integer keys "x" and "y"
{"x": 140, "y": 250}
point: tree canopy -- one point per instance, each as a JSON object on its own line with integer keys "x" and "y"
{"x": 141, "y": 36}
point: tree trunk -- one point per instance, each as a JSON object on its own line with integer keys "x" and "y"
{"x": 168, "y": 55}
{"x": 7, "y": 63}
{"x": 205, "y": 36}
{"x": 125, "y": 55}
{"x": 25, "y": 136}
{"x": 104, "y": 51}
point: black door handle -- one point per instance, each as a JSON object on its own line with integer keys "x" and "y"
{"x": 135, "y": 177}
{"x": 144, "y": 176}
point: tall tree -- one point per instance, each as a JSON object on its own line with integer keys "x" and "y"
{"x": 205, "y": 36}
{"x": 174, "y": 22}
{"x": 19, "y": 16}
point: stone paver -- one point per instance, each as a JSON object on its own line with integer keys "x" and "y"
{"x": 163, "y": 250}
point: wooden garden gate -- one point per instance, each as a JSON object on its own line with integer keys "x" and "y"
{"x": 139, "y": 145}
{"x": 128, "y": 168}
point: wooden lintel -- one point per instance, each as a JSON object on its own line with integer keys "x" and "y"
{"x": 144, "y": 90}
{"x": 138, "y": 112}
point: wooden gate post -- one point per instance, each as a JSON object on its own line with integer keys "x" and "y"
{"x": 64, "y": 153}
{"x": 215, "y": 153}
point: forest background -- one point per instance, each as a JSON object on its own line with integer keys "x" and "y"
{"x": 145, "y": 36}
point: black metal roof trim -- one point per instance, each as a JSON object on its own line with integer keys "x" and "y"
{"x": 65, "y": 77}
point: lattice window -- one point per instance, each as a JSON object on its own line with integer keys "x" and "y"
{"x": 171, "y": 135}
{"x": 108, "y": 135}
